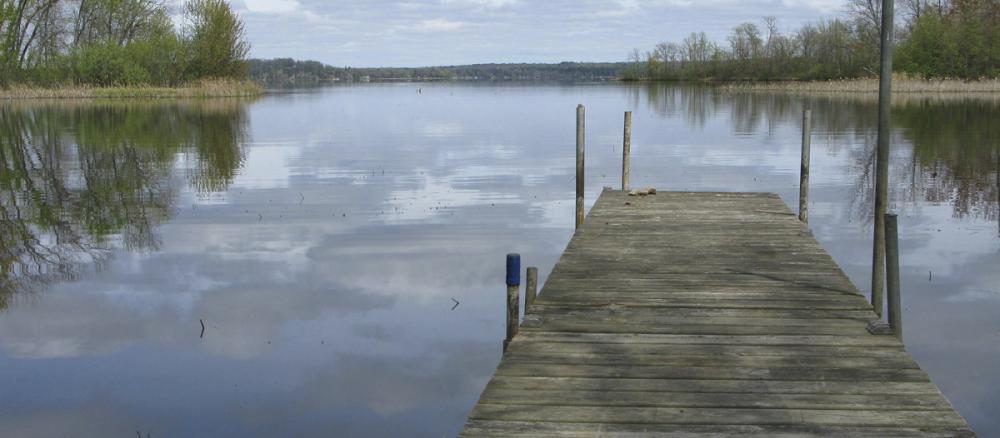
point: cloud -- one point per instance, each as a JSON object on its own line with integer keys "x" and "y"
{"x": 273, "y": 6}
{"x": 436, "y": 32}
{"x": 484, "y": 4}
{"x": 438, "y": 25}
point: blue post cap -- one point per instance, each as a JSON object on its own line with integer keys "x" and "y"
{"x": 513, "y": 269}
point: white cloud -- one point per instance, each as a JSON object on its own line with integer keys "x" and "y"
{"x": 438, "y": 25}
{"x": 825, "y": 6}
{"x": 273, "y": 6}
{"x": 487, "y": 4}
{"x": 436, "y": 32}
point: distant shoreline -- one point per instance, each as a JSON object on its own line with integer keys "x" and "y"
{"x": 200, "y": 89}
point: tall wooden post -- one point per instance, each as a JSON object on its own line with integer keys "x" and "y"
{"x": 513, "y": 286}
{"x": 626, "y": 150}
{"x": 580, "y": 142}
{"x": 530, "y": 287}
{"x": 804, "y": 169}
{"x": 882, "y": 157}
{"x": 892, "y": 275}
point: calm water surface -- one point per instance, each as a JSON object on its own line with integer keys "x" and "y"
{"x": 321, "y": 237}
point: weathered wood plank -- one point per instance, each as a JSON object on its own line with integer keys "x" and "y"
{"x": 667, "y": 386}
{"x": 636, "y": 371}
{"x": 680, "y": 350}
{"x": 520, "y": 429}
{"x": 704, "y": 314}
{"x": 898, "y": 361}
{"x": 873, "y": 402}
{"x": 720, "y": 416}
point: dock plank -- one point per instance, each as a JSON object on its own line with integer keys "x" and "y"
{"x": 704, "y": 314}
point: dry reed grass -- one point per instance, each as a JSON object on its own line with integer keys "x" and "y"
{"x": 901, "y": 84}
{"x": 202, "y": 88}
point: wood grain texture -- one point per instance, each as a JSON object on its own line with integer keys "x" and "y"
{"x": 704, "y": 314}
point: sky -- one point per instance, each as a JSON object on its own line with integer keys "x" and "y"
{"x": 411, "y": 33}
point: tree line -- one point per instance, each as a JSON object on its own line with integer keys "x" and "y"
{"x": 119, "y": 42}
{"x": 935, "y": 39}
{"x": 284, "y": 72}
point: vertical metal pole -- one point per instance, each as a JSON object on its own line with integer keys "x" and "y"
{"x": 530, "y": 288}
{"x": 892, "y": 275}
{"x": 882, "y": 157}
{"x": 580, "y": 142}
{"x": 513, "y": 286}
{"x": 804, "y": 169}
{"x": 627, "y": 150}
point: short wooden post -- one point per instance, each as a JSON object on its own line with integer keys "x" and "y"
{"x": 892, "y": 275}
{"x": 804, "y": 170}
{"x": 530, "y": 287}
{"x": 626, "y": 150}
{"x": 513, "y": 287}
{"x": 580, "y": 141}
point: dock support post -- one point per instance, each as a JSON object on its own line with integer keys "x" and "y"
{"x": 892, "y": 275}
{"x": 804, "y": 170}
{"x": 626, "y": 150}
{"x": 882, "y": 157}
{"x": 580, "y": 142}
{"x": 530, "y": 287}
{"x": 513, "y": 287}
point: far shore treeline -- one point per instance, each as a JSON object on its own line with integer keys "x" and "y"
{"x": 935, "y": 39}
{"x": 284, "y": 72}
{"x": 115, "y": 43}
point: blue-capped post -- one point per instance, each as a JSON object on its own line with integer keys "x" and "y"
{"x": 513, "y": 288}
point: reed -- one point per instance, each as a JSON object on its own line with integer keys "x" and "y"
{"x": 901, "y": 84}
{"x": 201, "y": 88}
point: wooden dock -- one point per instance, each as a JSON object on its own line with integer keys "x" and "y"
{"x": 704, "y": 314}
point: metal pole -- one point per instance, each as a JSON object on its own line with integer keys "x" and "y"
{"x": 892, "y": 275}
{"x": 513, "y": 286}
{"x": 882, "y": 157}
{"x": 804, "y": 170}
{"x": 580, "y": 141}
{"x": 626, "y": 150}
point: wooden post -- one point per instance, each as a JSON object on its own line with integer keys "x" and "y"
{"x": 513, "y": 287}
{"x": 580, "y": 141}
{"x": 626, "y": 150}
{"x": 882, "y": 157}
{"x": 892, "y": 275}
{"x": 804, "y": 169}
{"x": 530, "y": 288}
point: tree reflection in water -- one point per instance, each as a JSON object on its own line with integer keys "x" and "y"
{"x": 79, "y": 179}
{"x": 946, "y": 147}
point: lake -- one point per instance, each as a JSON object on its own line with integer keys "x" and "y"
{"x": 331, "y": 261}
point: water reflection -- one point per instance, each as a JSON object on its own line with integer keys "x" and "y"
{"x": 81, "y": 178}
{"x": 321, "y": 235}
{"x": 950, "y": 144}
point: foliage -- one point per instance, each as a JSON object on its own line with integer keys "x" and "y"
{"x": 962, "y": 41}
{"x": 118, "y": 43}
{"x": 218, "y": 42}
{"x": 940, "y": 39}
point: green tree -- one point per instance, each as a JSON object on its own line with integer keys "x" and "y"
{"x": 218, "y": 44}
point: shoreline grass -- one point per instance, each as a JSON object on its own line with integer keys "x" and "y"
{"x": 901, "y": 84}
{"x": 198, "y": 89}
